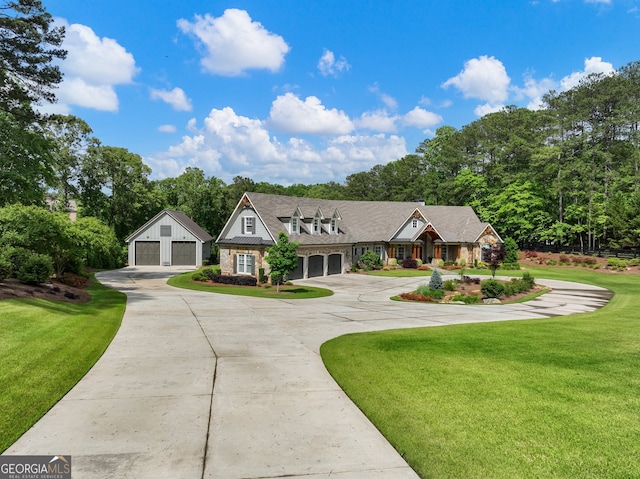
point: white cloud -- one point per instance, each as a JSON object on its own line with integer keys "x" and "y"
{"x": 421, "y": 118}
{"x": 176, "y": 98}
{"x": 378, "y": 120}
{"x": 167, "y": 129}
{"x": 487, "y": 108}
{"x": 93, "y": 67}
{"x": 591, "y": 65}
{"x": 484, "y": 78}
{"x": 289, "y": 114}
{"x": 328, "y": 65}
{"x": 388, "y": 100}
{"x": 234, "y": 43}
{"x": 230, "y": 144}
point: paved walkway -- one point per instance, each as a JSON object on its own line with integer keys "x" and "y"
{"x": 200, "y": 385}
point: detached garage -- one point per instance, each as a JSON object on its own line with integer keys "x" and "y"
{"x": 170, "y": 238}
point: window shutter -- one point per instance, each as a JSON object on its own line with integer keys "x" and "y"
{"x": 243, "y": 225}
{"x": 235, "y": 264}
{"x": 252, "y": 260}
{"x": 253, "y": 225}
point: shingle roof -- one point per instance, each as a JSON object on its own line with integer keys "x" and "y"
{"x": 364, "y": 221}
{"x": 181, "y": 218}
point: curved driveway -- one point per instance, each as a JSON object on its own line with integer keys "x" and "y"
{"x": 217, "y": 386}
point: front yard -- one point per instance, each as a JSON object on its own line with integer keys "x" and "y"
{"x": 552, "y": 398}
{"x": 46, "y": 347}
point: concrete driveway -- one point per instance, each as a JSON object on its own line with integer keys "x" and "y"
{"x": 201, "y": 385}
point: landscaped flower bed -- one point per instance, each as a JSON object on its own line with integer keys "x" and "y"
{"x": 472, "y": 290}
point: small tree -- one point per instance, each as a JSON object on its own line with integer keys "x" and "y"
{"x": 435, "y": 283}
{"x": 493, "y": 255}
{"x": 282, "y": 258}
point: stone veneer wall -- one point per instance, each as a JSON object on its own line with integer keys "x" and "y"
{"x": 227, "y": 255}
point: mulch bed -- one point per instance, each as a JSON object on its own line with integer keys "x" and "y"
{"x": 54, "y": 291}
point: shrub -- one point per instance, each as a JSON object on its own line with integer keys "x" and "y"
{"x": 590, "y": 260}
{"x": 410, "y": 263}
{"x": 262, "y": 277}
{"x": 419, "y": 261}
{"x": 198, "y": 276}
{"x": 435, "y": 282}
{"x": 528, "y": 278}
{"x": 449, "y": 262}
{"x": 414, "y": 296}
{"x": 492, "y": 288}
{"x": 510, "y": 250}
{"x": 564, "y": 258}
{"x": 36, "y": 269}
{"x": 16, "y": 256}
{"x": 426, "y": 291}
{"x": 617, "y": 263}
{"x": 6, "y": 269}
{"x": 393, "y": 262}
{"x": 467, "y": 299}
{"x": 208, "y": 273}
{"x": 470, "y": 280}
{"x": 371, "y": 260}
{"x": 463, "y": 262}
{"x": 530, "y": 254}
{"x": 450, "y": 285}
{"x": 236, "y": 280}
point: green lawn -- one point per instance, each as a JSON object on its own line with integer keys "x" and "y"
{"x": 286, "y": 292}
{"x": 551, "y": 398}
{"x": 45, "y": 349}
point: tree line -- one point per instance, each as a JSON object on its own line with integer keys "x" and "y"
{"x": 568, "y": 173}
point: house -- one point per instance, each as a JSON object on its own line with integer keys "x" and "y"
{"x": 333, "y": 234}
{"x": 170, "y": 238}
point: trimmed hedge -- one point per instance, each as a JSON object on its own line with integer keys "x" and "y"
{"x": 239, "y": 280}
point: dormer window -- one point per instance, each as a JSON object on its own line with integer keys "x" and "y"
{"x": 295, "y": 225}
{"x": 414, "y": 223}
{"x": 334, "y": 225}
{"x": 316, "y": 225}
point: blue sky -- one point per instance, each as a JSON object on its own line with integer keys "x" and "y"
{"x": 312, "y": 91}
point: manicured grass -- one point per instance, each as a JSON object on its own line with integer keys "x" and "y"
{"x": 551, "y": 398}
{"x": 46, "y": 347}
{"x": 286, "y": 292}
{"x": 401, "y": 273}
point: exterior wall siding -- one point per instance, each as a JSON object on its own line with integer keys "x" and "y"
{"x": 236, "y": 227}
{"x": 178, "y": 233}
{"x": 407, "y": 232}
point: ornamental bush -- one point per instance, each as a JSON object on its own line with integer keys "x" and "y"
{"x": 492, "y": 288}
{"x": 36, "y": 269}
{"x": 6, "y": 269}
{"x": 450, "y": 285}
{"x": 436, "y": 281}
{"x": 371, "y": 260}
{"x": 410, "y": 263}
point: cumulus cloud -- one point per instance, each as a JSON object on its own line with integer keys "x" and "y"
{"x": 591, "y": 65}
{"x": 92, "y": 69}
{"x": 290, "y": 114}
{"x": 229, "y": 144}
{"x": 482, "y": 110}
{"x": 176, "y": 98}
{"x": 484, "y": 78}
{"x": 234, "y": 43}
{"x": 167, "y": 129}
{"x": 378, "y": 120}
{"x": 421, "y": 118}
{"x": 329, "y": 66}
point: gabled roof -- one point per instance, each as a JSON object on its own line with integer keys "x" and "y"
{"x": 180, "y": 218}
{"x": 361, "y": 221}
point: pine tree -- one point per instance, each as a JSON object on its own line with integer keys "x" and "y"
{"x": 435, "y": 283}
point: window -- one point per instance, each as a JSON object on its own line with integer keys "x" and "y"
{"x": 400, "y": 253}
{"x": 414, "y": 223}
{"x": 316, "y": 225}
{"x": 248, "y": 225}
{"x": 295, "y": 226}
{"x": 334, "y": 225}
{"x": 245, "y": 263}
{"x": 165, "y": 230}
{"x": 377, "y": 249}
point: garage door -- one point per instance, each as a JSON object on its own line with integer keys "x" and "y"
{"x": 183, "y": 253}
{"x": 298, "y": 273}
{"x": 316, "y": 266}
{"x": 148, "y": 253}
{"x": 335, "y": 264}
